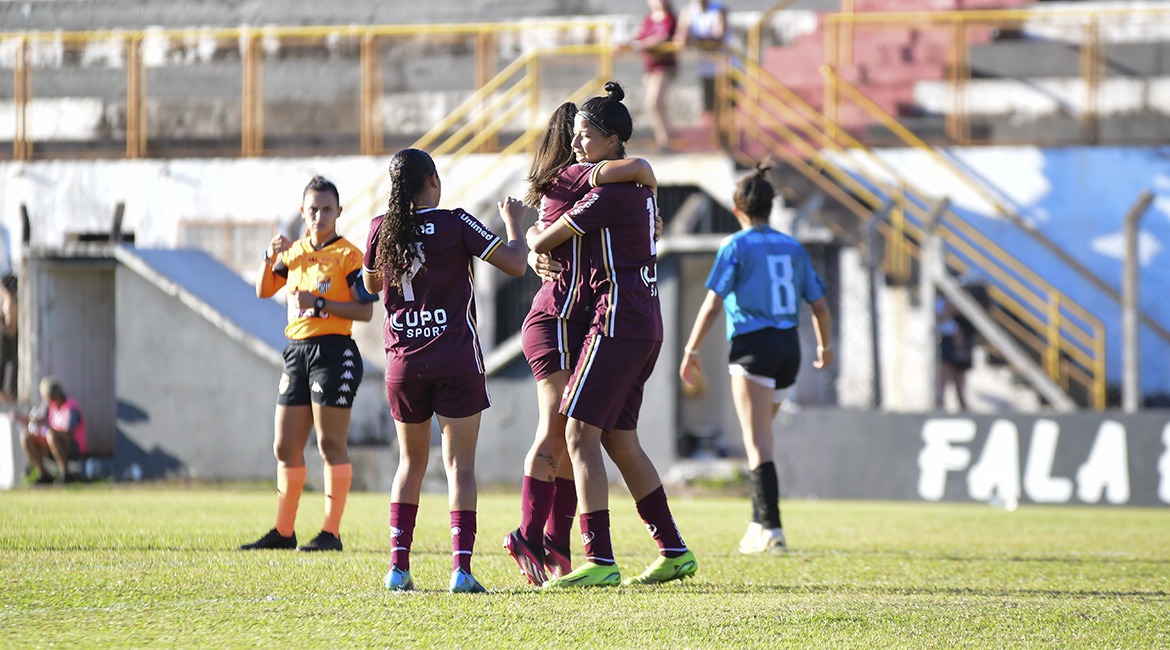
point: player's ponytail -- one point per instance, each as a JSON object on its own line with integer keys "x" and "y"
{"x": 610, "y": 115}
{"x": 754, "y": 194}
{"x": 397, "y": 235}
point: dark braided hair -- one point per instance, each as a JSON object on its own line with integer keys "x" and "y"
{"x": 397, "y": 235}
{"x": 554, "y": 152}
{"x": 610, "y": 115}
{"x": 754, "y": 194}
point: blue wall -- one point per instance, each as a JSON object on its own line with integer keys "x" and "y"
{"x": 1078, "y": 198}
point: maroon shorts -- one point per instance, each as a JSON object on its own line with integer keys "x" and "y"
{"x": 451, "y": 397}
{"x": 551, "y": 344}
{"x": 607, "y": 383}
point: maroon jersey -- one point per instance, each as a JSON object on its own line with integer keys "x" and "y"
{"x": 430, "y": 329}
{"x": 623, "y": 272}
{"x": 568, "y": 295}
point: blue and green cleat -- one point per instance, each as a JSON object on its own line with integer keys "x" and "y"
{"x": 463, "y": 582}
{"x": 398, "y": 580}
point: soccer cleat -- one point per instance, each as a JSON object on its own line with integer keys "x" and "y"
{"x": 665, "y": 569}
{"x": 322, "y": 542}
{"x": 273, "y": 540}
{"x": 556, "y": 561}
{"x": 759, "y": 540}
{"x": 531, "y": 565}
{"x": 463, "y": 582}
{"x": 398, "y": 580}
{"x": 588, "y": 575}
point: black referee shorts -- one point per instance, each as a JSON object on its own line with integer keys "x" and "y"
{"x": 322, "y": 369}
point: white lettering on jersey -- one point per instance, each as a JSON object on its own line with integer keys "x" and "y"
{"x": 416, "y": 323}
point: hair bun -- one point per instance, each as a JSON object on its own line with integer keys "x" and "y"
{"x": 614, "y": 91}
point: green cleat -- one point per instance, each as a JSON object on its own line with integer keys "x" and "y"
{"x": 589, "y": 575}
{"x": 665, "y": 569}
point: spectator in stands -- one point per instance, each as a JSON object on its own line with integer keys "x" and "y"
{"x": 552, "y": 336}
{"x": 8, "y": 339}
{"x": 760, "y": 278}
{"x": 654, "y": 40}
{"x": 419, "y": 256}
{"x": 322, "y": 366}
{"x": 954, "y": 352}
{"x": 54, "y": 428}
{"x": 703, "y": 25}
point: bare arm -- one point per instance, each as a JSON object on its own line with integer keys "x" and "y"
{"x": 372, "y": 280}
{"x": 348, "y": 309}
{"x": 625, "y": 170}
{"x": 823, "y": 322}
{"x": 543, "y": 241}
{"x": 683, "y": 29}
{"x": 511, "y": 258}
{"x": 690, "y": 366}
{"x": 8, "y": 312}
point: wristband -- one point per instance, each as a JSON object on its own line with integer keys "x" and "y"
{"x": 267, "y": 260}
{"x": 319, "y": 305}
{"x": 824, "y": 348}
{"x": 690, "y": 352}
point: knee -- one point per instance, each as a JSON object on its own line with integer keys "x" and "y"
{"x": 411, "y": 469}
{"x": 284, "y": 451}
{"x": 459, "y": 467}
{"x": 332, "y": 451}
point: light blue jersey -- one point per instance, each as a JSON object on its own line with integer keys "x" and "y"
{"x": 763, "y": 276}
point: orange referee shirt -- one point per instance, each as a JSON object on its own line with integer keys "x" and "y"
{"x": 329, "y": 272}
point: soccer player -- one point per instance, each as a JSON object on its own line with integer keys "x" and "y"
{"x": 760, "y": 278}
{"x": 321, "y": 274}
{"x": 420, "y": 256}
{"x": 604, "y": 393}
{"x": 552, "y": 336}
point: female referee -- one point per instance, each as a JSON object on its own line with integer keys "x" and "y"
{"x": 322, "y": 367}
{"x": 420, "y": 257}
{"x": 760, "y": 278}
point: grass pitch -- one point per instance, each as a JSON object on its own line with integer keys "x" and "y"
{"x": 155, "y": 566}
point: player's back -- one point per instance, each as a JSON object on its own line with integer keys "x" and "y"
{"x": 766, "y": 275}
{"x": 430, "y": 326}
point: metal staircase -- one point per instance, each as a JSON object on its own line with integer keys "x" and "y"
{"x": 1057, "y": 338}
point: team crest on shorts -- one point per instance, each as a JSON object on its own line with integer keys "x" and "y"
{"x": 285, "y": 380}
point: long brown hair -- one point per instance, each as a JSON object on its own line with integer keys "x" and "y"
{"x": 398, "y": 233}
{"x": 554, "y": 152}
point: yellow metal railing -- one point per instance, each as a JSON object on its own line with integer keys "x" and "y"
{"x": 251, "y": 43}
{"x": 1069, "y": 341}
{"x": 489, "y": 115}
